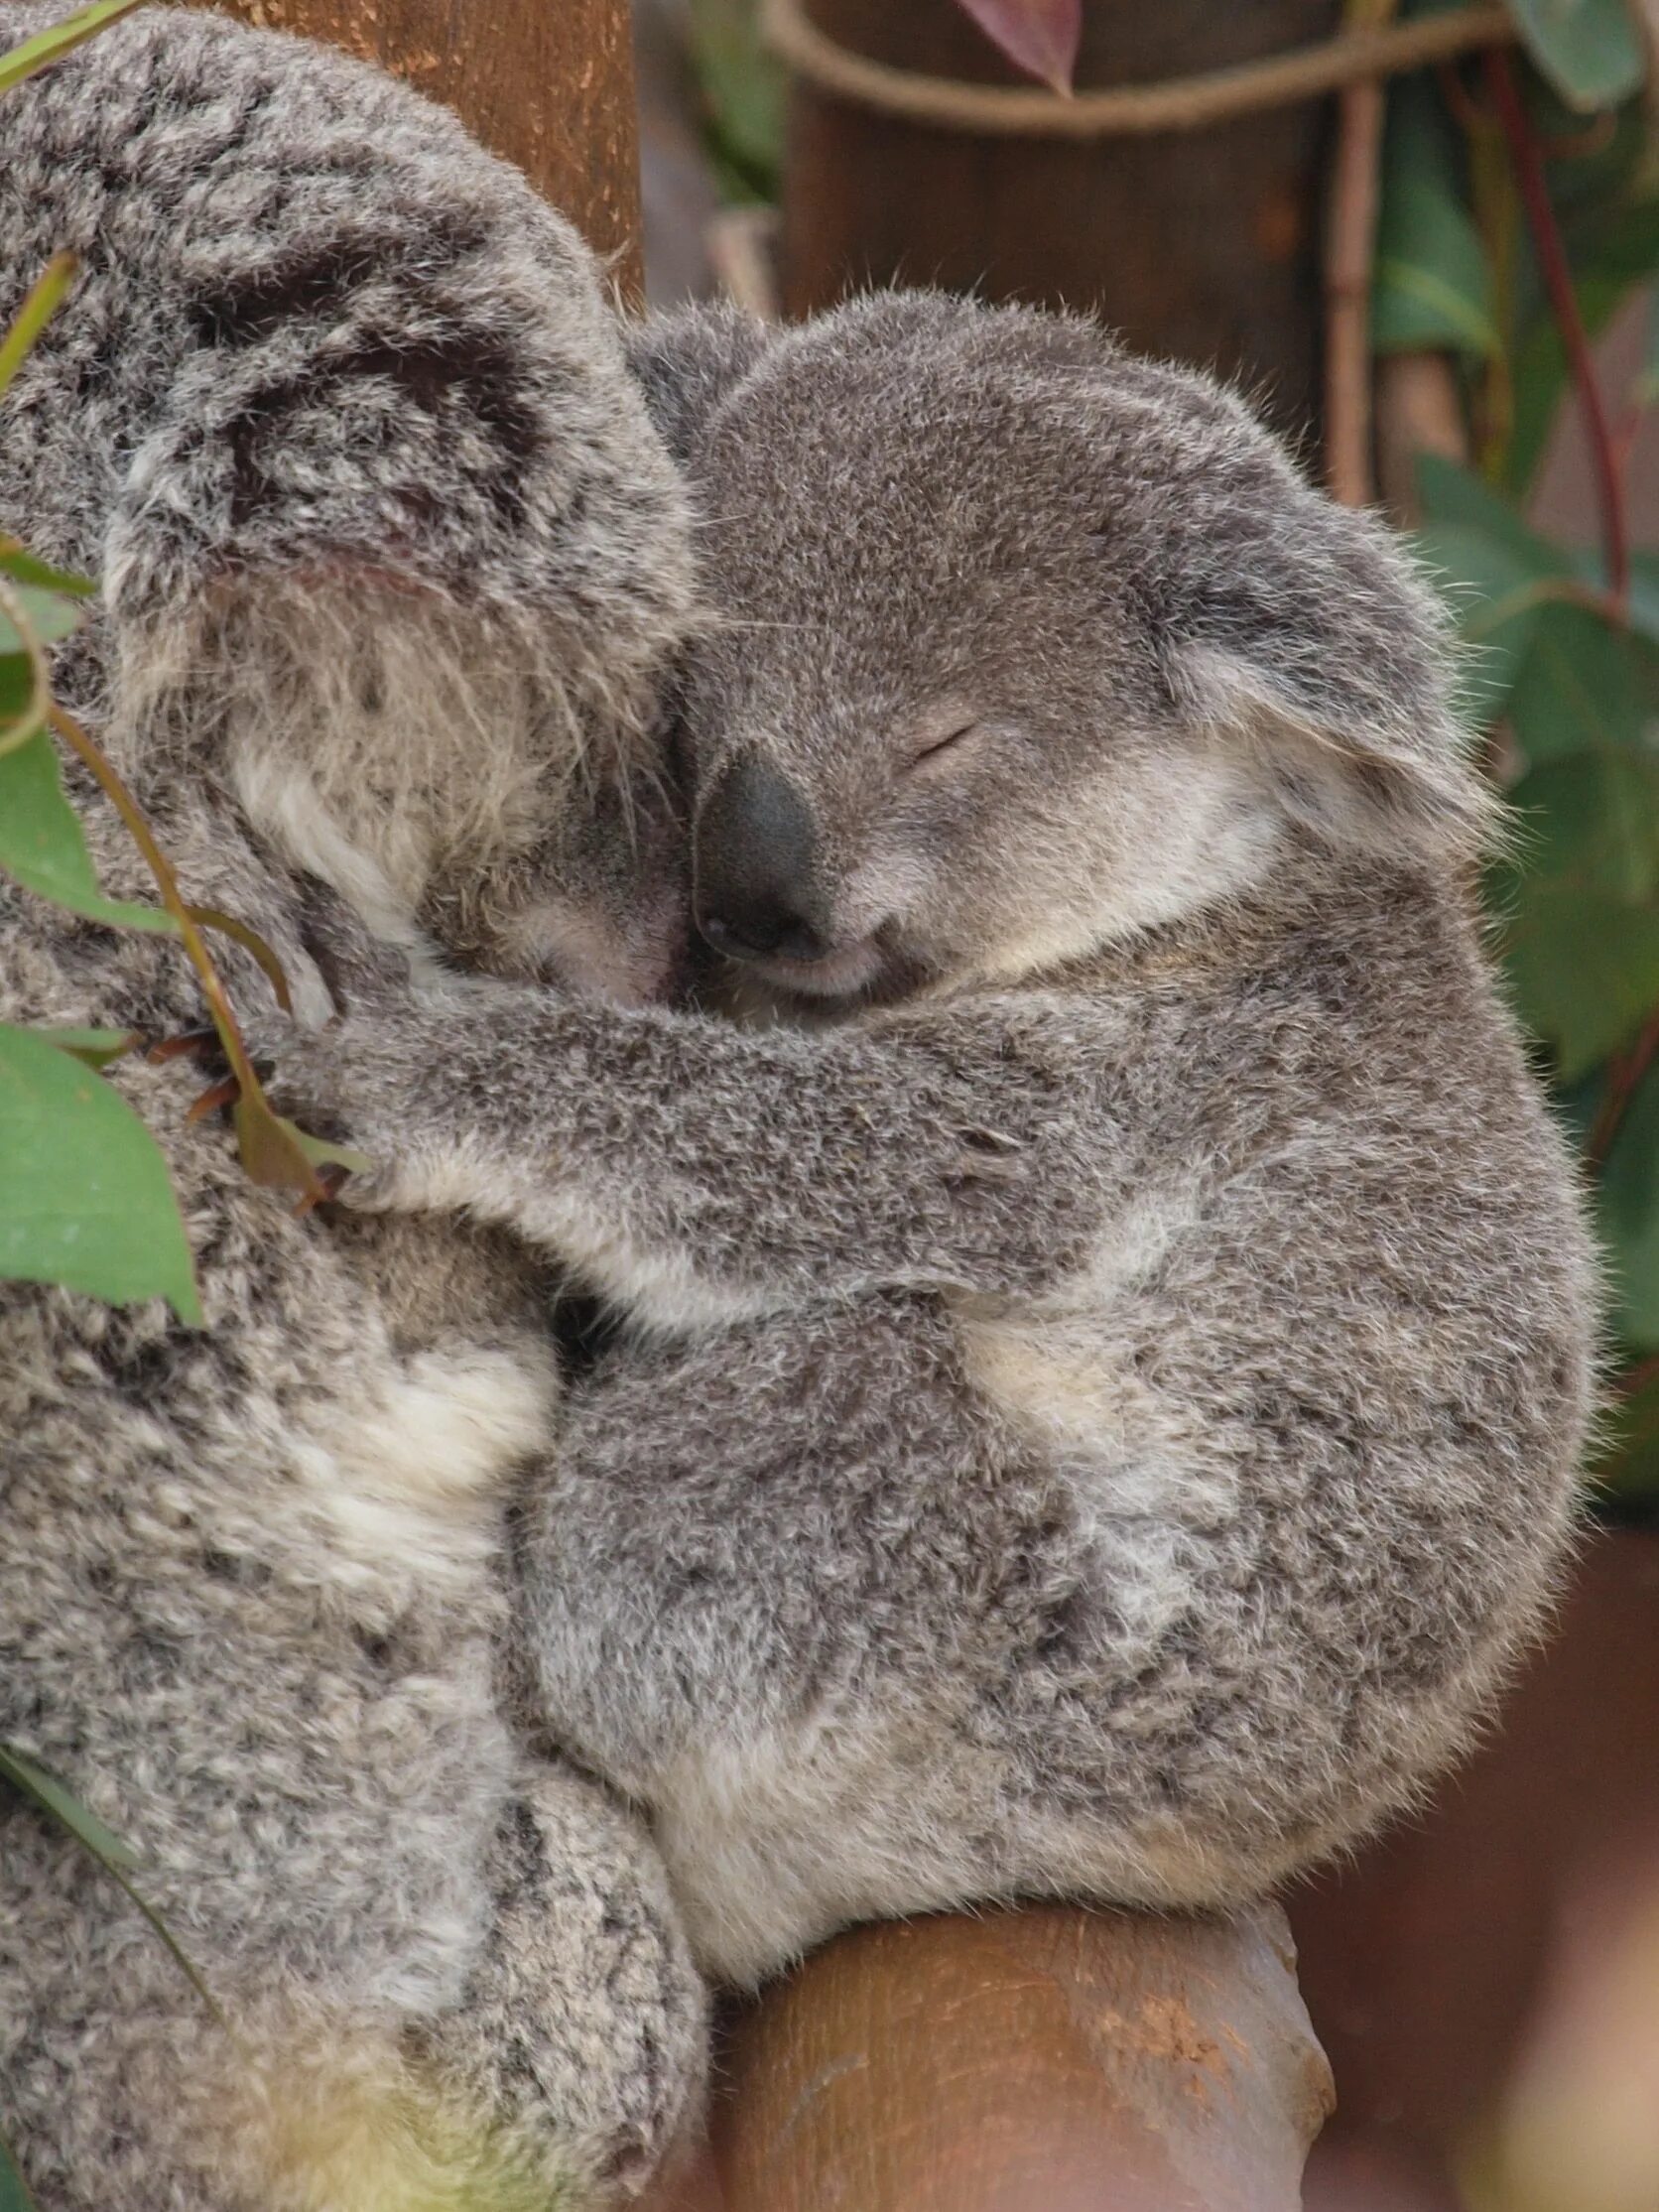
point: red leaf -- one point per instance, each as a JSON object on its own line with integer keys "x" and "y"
{"x": 1039, "y": 36}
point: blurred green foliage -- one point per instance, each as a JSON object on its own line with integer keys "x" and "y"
{"x": 1562, "y": 689}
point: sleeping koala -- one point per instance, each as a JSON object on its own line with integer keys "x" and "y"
{"x": 389, "y": 551}
{"x": 1107, "y": 1356}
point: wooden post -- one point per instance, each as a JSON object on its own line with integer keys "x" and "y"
{"x": 1049, "y": 2059}
{"x": 1201, "y": 245}
{"x": 548, "y": 84}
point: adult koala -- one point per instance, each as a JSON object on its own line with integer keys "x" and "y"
{"x": 1111, "y": 1358}
{"x": 392, "y": 556}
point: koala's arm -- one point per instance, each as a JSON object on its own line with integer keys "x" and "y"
{"x": 694, "y": 1170}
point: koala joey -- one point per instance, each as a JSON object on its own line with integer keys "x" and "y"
{"x": 1110, "y": 1335}
{"x": 393, "y": 557}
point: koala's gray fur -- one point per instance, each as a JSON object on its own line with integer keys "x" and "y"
{"x": 1102, "y": 1420}
{"x": 339, "y": 414}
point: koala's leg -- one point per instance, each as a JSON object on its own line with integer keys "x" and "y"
{"x": 584, "y": 2026}
{"x": 775, "y": 1584}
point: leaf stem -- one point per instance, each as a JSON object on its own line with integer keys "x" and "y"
{"x": 268, "y": 1151}
{"x": 1556, "y": 270}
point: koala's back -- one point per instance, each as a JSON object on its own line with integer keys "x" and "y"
{"x": 248, "y": 1609}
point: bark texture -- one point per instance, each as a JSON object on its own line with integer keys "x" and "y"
{"x": 547, "y": 83}
{"x": 1202, "y": 245}
{"x": 1049, "y": 2059}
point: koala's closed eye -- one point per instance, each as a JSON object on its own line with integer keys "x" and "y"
{"x": 952, "y": 744}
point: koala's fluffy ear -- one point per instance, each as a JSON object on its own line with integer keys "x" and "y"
{"x": 1300, "y": 629}
{"x": 687, "y": 363}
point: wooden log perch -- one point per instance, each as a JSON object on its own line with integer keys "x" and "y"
{"x": 548, "y": 84}
{"x": 1046, "y": 2059}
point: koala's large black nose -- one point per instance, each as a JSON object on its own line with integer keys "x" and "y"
{"x": 756, "y": 864}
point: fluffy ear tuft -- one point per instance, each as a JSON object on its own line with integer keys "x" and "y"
{"x": 685, "y": 363}
{"x": 1301, "y": 630}
{"x": 1342, "y": 769}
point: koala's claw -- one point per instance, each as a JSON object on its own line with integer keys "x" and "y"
{"x": 225, "y": 1093}
{"x": 199, "y": 1043}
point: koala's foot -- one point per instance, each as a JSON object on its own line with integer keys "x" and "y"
{"x": 586, "y": 2026}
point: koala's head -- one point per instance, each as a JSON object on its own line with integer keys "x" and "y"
{"x": 402, "y": 565}
{"x": 1019, "y": 645}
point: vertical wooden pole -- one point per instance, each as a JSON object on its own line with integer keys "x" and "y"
{"x": 549, "y": 84}
{"x": 1203, "y": 246}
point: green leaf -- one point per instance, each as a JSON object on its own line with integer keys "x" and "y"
{"x": 1627, "y": 1463}
{"x": 1494, "y": 596}
{"x": 85, "y": 1195}
{"x": 48, "y": 614}
{"x": 1584, "y": 967}
{"x": 42, "y": 846}
{"x": 48, "y": 46}
{"x": 322, "y": 1153}
{"x": 93, "y": 1048}
{"x": 1587, "y": 682}
{"x": 1592, "y": 819}
{"x": 1586, "y": 49}
{"x": 1611, "y": 252}
{"x": 1450, "y": 494}
{"x": 33, "y": 1781}
{"x": 1432, "y": 285}
{"x": 39, "y": 304}
{"x": 1496, "y": 574}
{"x": 24, "y": 568}
{"x": 13, "y": 2190}
{"x": 17, "y": 689}
{"x": 743, "y": 93}
{"x": 1627, "y": 1201}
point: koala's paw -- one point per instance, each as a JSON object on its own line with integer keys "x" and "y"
{"x": 585, "y": 2027}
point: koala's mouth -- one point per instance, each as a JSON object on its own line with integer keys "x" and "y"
{"x": 849, "y": 971}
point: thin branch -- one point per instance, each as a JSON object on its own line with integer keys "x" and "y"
{"x": 1176, "y": 104}
{"x": 1556, "y": 273}
{"x": 1350, "y": 243}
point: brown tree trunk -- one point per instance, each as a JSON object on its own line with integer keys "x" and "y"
{"x": 549, "y": 84}
{"x": 1049, "y": 2059}
{"x": 1202, "y": 245}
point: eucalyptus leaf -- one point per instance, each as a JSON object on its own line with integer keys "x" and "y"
{"x": 1588, "y": 50}
{"x": 1432, "y": 283}
{"x": 1586, "y": 683}
{"x": 1584, "y": 968}
{"x": 1497, "y": 575}
{"x": 50, "y": 614}
{"x": 1611, "y": 257}
{"x": 32, "y": 1780}
{"x": 13, "y": 2190}
{"x": 42, "y": 846}
{"x": 85, "y": 1195}
{"x": 1039, "y": 37}
{"x": 1592, "y": 819}
{"x": 25, "y": 568}
{"x": 1627, "y": 1463}
{"x": 51, "y": 45}
{"x": 1448, "y": 493}
{"x": 53, "y": 1797}
{"x": 93, "y": 1048}
{"x": 1494, "y": 596}
{"x": 1627, "y": 1203}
